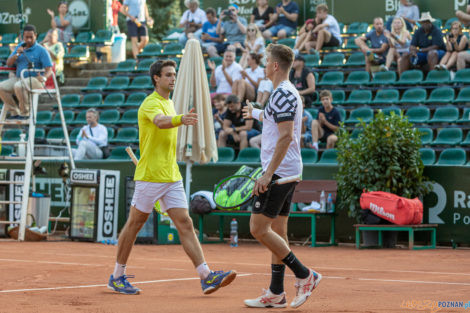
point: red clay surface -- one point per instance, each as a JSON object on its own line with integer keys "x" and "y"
{"x": 72, "y": 277}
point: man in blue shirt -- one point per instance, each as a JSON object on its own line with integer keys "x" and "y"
{"x": 377, "y": 53}
{"x": 209, "y": 36}
{"x": 287, "y": 13}
{"x": 27, "y": 51}
{"x": 427, "y": 46}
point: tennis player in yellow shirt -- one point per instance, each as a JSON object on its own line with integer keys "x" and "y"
{"x": 157, "y": 178}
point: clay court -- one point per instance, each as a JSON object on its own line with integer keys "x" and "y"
{"x": 72, "y": 277}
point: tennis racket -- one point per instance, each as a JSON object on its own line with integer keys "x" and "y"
{"x": 235, "y": 191}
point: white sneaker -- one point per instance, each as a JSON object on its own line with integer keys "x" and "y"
{"x": 268, "y": 300}
{"x": 305, "y": 287}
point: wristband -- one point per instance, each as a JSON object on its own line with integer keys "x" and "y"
{"x": 255, "y": 113}
{"x": 177, "y": 120}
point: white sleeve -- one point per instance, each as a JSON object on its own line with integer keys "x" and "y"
{"x": 256, "y": 113}
{"x": 236, "y": 75}
{"x": 184, "y": 17}
{"x": 217, "y": 73}
{"x": 101, "y": 136}
{"x": 203, "y": 16}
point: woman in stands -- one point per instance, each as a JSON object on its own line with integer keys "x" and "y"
{"x": 305, "y": 35}
{"x": 399, "y": 41}
{"x": 63, "y": 22}
{"x": 262, "y": 15}
{"x": 254, "y": 43}
{"x": 455, "y": 43}
{"x": 246, "y": 87}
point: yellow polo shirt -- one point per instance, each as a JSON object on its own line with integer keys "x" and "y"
{"x": 157, "y": 162}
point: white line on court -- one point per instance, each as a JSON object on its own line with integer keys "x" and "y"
{"x": 415, "y": 281}
{"x": 51, "y": 262}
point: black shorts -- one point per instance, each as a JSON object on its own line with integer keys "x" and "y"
{"x": 334, "y": 42}
{"x": 276, "y": 200}
{"x": 134, "y": 31}
{"x": 325, "y": 136}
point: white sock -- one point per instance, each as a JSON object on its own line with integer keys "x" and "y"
{"x": 315, "y": 145}
{"x": 203, "y": 270}
{"x": 119, "y": 270}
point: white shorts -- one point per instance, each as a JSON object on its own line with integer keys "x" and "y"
{"x": 170, "y": 195}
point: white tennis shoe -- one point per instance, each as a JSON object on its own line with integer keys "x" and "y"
{"x": 305, "y": 287}
{"x": 268, "y": 300}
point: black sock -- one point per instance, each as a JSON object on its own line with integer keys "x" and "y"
{"x": 294, "y": 264}
{"x": 277, "y": 278}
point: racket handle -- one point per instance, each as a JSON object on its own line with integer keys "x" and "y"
{"x": 132, "y": 155}
{"x": 290, "y": 179}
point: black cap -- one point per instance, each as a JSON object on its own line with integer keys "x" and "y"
{"x": 298, "y": 57}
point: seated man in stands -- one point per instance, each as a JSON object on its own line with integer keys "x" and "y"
{"x": 209, "y": 36}
{"x": 377, "y": 53}
{"x": 427, "y": 46}
{"x": 232, "y": 26}
{"x": 285, "y": 19}
{"x": 91, "y": 139}
{"x": 236, "y": 130}
{"x": 326, "y": 33}
{"x": 224, "y": 76}
{"x": 303, "y": 79}
{"x": 192, "y": 20}
{"x": 327, "y": 122}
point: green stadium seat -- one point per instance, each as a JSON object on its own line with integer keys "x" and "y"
{"x": 78, "y": 52}
{"x": 4, "y": 53}
{"x": 226, "y": 154}
{"x": 333, "y": 59}
{"x": 331, "y": 79}
{"x": 84, "y": 38}
{"x": 462, "y": 76}
{"x": 428, "y": 156}
{"x": 437, "y": 77}
{"x": 151, "y": 50}
{"x": 342, "y": 113}
{"x": 6, "y": 150}
{"x": 357, "y": 78}
{"x": 68, "y": 117}
{"x": 329, "y": 156}
{"x": 465, "y": 116}
{"x": 351, "y": 45}
{"x": 390, "y": 109}
{"x": 40, "y": 134}
{"x": 356, "y": 133}
{"x": 290, "y": 42}
{"x": 74, "y": 134}
{"x": 386, "y": 96}
{"x": 135, "y": 99}
{"x": 118, "y": 83}
{"x": 384, "y": 78}
{"x": 11, "y": 134}
{"x": 309, "y": 156}
{"x": 126, "y": 135}
{"x": 172, "y": 49}
{"x": 70, "y": 100}
{"x": 449, "y": 22}
{"x": 129, "y": 117}
{"x": 119, "y": 153}
{"x": 103, "y": 37}
{"x": 80, "y": 118}
{"x": 426, "y": 135}
{"x": 43, "y": 117}
{"x": 248, "y": 155}
{"x": 357, "y": 28}
{"x": 127, "y": 66}
{"x": 217, "y": 61}
{"x": 438, "y": 23}
{"x": 463, "y": 96}
{"x": 356, "y": 59}
{"x": 366, "y": 114}
{"x": 114, "y": 100}
{"x": 96, "y": 84}
{"x": 8, "y": 39}
{"x": 466, "y": 141}
{"x": 446, "y": 114}
{"x": 311, "y": 60}
{"x": 91, "y": 100}
{"x": 141, "y": 83}
{"x": 144, "y": 65}
{"x": 359, "y": 96}
{"x": 55, "y": 135}
{"x": 448, "y": 136}
{"x": 41, "y": 37}
{"x": 109, "y": 116}
{"x": 110, "y": 132}
{"x": 441, "y": 95}
{"x": 410, "y": 77}
{"x": 418, "y": 114}
{"x": 338, "y": 96}
{"x": 313, "y": 112}
{"x": 414, "y": 95}
{"x": 452, "y": 156}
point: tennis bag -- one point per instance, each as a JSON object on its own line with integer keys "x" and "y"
{"x": 393, "y": 208}
{"x": 229, "y": 189}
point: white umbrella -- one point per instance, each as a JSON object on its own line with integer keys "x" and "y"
{"x": 195, "y": 143}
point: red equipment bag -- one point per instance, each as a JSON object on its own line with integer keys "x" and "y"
{"x": 393, "y": 208}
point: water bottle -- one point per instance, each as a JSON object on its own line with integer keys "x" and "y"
{"x": 22, "y": 146}
{"x": 322, "y": 202}
{"x": 234, "y": 233}
{"x": 329, "y": 204}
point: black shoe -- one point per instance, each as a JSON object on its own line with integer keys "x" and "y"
{"x": 13, "y": 117}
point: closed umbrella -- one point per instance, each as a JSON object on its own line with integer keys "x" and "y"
{"x": 195, "y": 143}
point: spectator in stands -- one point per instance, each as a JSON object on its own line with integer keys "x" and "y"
{"x": 377, "y": 53}
{"x": 192, "y": 20}
{"x": 455, "y": 43}
{"x": 265, "y": 89}
{"x": 209, "y": 36}
{"x": 464, "y": 17}
{"x": 246, "y": 87}
{"x": 305, "y": 34}
{"x": 303, "y": 79}
{"x": 254, "y": 43}
{"x": 427, "y": 46}
{"x": 232, "y": 26}
{"x": 236, "y": 130}
{"x": 408, "y": 11}
{"x": 326, "y": 33}
{"x": 138, "y": 19}
{"x": 306, "y": 133}
{"x": 262, "y": 15}
{"x": 56, "y": 51}
{"x": 327, "y": 122}
{"x": 63, "y": 22}
{"x": 219, "y": 111}
{"x": 225, "y": 74}
{"x": 91, "y": 138}
{"x": 115, "y": 9}
{"x": 399, "y": 39}
{"x": 27, "y": 50}
{"x": 284, "y": 20}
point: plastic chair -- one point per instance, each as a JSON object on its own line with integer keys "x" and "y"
{"x": 384, "y": 78}
{"x": 437, "y": 77}
{"x": 448, "y": 136}
{"x": 70, "y": 101}
{"x": 334, "y": 59}
{"x": 386, "y": 96}
{"x": 418, "y": 114}
{"x": 428, "y": 156}
{"x": 43, "y": 117}
{"x": 426, "y": 135}
{"x": 249, "y": 155}
{"x": 331, "y": 79}
{"x": 135, "y": 99}
{"x": 410, "y": 77}
{"x": 114, "y": 100}
{"x": 109, "y": 116}
{"x": 129, "y": 117}
{"x": 118, "y": 83}
{"x": 226, "y": 154}
{"x": 91, "y": 100}
{"x": 452, "y": 156}
{"x": 357, "y": 78}
{"x": 366, "y": 114}
{"x": 127, "y": 66}
{"x": 151, "y": 50}
{"x": 359, "y": 96}
{"x": 356, "y": 59}
{"x": 141, "y": 83}
{"x": 309, "y": 156}
{"x": 96, "y": 84}
{"x": 414, "y": 95}
{"x": 441, "y": 95}
{"x": 447, "y": 114}
{"x": 126, "y": 135}
{"x": 329, "y": 157}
